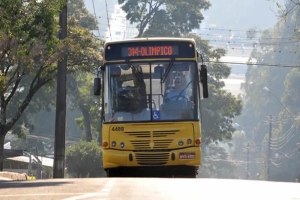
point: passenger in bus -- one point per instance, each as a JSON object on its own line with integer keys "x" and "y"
{"x": 177, "y": 93}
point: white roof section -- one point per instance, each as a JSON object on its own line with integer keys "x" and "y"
{"x": 48, "y": 162}
{"x": 235, "y": 59}
{"x": 7, "y": 145}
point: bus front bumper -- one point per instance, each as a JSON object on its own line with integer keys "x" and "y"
{"x": 117, "y": 158}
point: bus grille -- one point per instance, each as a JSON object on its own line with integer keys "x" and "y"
{"x": 152, "y": 158}
{"x": 143, "y": 134}
{"x": 151, "y": 140}
{"x": 164, "y": 133}
{"x": 151, "y": 144}
{"x": 141, "y": 144}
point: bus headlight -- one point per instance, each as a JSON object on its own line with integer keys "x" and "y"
{"x": 189, "y": 141}
{"x": 180, "y": 143}
{"x": 122, "y": 145}
{"x": 113, "y": 144}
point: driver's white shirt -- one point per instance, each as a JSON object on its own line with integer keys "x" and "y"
{"x": 172, "y": 95}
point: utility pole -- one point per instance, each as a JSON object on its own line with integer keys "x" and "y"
{"x": 248, "y": 155}
{"x": 60, "y": 121}
{"x": 269, "y": 149}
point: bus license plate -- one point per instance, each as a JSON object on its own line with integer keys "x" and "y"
{"x": 187, "y": 155}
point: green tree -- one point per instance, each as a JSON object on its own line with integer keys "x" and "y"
{"x": 82, "y": 98}
{"x": 28, "y": 55}
{"x": 81, "y": 64}
{"x": 217, "y": 165}
{"x": 28, "y": 51}
{"x": 84, "y": 159}
{"x": 282, "y": 82}
{"x": 80, "y": 84}
{"x": 289, "y": 98}
{"x": 221, "y": 107}
{"x": 286, "y": 141}
{"x": 180, "y": 16}
{"x": 218, "y": 113}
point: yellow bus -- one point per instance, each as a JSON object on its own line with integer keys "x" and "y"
{"x": 151, "y": 91}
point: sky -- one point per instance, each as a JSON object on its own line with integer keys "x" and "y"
{"x": 242, "y": 14}
{"x": 233, "y": 14}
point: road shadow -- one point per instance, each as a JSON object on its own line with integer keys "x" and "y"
{"x": 30, "y": 184}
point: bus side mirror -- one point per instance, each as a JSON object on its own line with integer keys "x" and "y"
{"x": 203, "y": 79}
{"x": 97, "y": 86}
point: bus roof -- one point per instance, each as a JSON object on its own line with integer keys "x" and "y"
{"x": 152, "y": 39}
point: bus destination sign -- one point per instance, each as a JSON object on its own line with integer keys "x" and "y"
{"x": 153, "y": 49}
{"x": 144, "y": 51}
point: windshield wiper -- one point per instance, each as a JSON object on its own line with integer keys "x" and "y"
{"x": 167, "y": 71}
{"x": 184, "y": 89}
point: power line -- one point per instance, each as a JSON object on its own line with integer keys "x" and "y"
{"x": 96, "y": 18}
{"x": 245, "y": 38}
{"x": 239, "y": 42}
{"x": 236, "y": 41}
{"x": 232, "y": 42}
{"x": 212, "y": 34}
{"x": 291, "y": 37}
{"x": 108, "y": 19}
{"x": 254, "y": 64}
{"x": 279, "y": 143}
{"x": 240, "y": 30}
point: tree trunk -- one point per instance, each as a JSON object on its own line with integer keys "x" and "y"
{"x": 99, "y": 137}
{"x": 2, "y": 129}
{"x": 2, "y": 137}
{"x": 87, "y": 122}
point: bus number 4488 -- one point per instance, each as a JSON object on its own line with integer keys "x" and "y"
{"x": 117, "y": 128}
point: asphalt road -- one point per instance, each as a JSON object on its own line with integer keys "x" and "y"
{"x": 147, "y": 188}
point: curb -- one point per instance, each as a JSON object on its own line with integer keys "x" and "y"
{"x": 13, "y": 176}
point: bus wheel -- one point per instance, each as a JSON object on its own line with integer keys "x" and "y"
{"x": 117, "y": 172}
{"x": 112, "y": 173}
{"x": 186, "y": 172}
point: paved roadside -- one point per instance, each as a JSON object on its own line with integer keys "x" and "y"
{"x": 5, "y": 179}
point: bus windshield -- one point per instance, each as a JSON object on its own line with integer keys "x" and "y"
{"x": 151, "y": 91}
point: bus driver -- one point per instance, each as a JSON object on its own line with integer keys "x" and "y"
{"x": 177, "y": 93}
